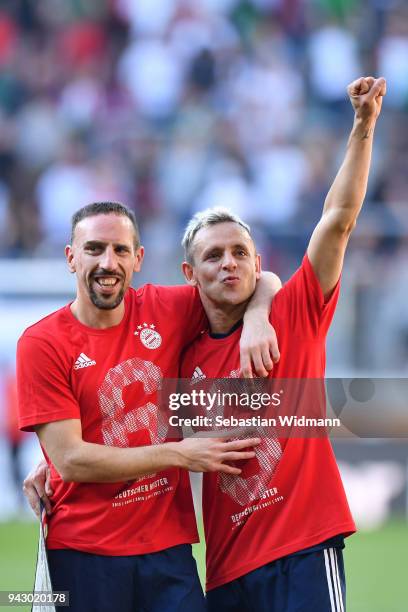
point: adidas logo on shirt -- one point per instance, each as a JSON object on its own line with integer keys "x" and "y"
{"x": 83, "y": 362}
{"x": 198, "y": 375}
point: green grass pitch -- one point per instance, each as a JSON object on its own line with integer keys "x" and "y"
{"x": 375, "y": 565}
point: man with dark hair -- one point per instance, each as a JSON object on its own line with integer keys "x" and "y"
{"x": 275, "y": 533}
{"x": 122, "y": 517}
{"x": 105, "y": 208}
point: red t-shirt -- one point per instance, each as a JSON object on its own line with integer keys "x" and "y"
{"x": 108, "y": 378}
{"x": 292, "y": 497}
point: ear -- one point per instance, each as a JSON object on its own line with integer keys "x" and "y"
{"x": 139, "y": 259}
{"x": 69, "y": 255}
{"x": 188, "y": 272}
{"x": 258, "y": 266}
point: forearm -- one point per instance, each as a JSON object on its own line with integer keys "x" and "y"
{"x": 346, "y": 196}
{"x": 344, "y": 201}
{"x": 80, "y": 461}
{"x": 86, "y": 462}
{"x": 266, "y": 288}
{"x": 258, "y": 344}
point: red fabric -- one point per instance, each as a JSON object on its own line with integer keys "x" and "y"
{"x": 11, "y": 421}
{"x": 83, "y": 42}
{"x": 8, "y": 38}
{"x": 296, "y": 499}
{"x": 115, "y": 398}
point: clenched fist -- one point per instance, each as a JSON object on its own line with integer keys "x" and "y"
{"x": 366, "y": 95}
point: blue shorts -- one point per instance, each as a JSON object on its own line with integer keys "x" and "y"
{"x": 165, "y": 581}
{"x": 308, "y": 581}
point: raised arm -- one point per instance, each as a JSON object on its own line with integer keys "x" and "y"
{"x": 345, "y": 198}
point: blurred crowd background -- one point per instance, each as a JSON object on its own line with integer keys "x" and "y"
{"x": 174, "y": 105}
{"x": 171, "y": 106}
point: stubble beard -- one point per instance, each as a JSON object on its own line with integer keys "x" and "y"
{"x": 102, "y": 303}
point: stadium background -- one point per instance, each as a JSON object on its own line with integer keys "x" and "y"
{"x": 174, "y": 105}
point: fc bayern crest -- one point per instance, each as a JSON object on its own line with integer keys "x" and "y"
{"x": 149, "y": 337}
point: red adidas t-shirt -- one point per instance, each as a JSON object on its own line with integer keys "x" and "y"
{"x": 293, "y": 498}
{"x": 108, "y": 378}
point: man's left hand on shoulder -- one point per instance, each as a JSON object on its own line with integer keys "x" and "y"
{"x": 259, "y": 348}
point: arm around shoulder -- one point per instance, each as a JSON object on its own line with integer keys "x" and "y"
{"x": 258, "y": 343}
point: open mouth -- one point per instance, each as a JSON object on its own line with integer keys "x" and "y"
{"x": 106, "y": 283}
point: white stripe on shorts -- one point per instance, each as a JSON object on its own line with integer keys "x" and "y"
{"x": 337, "y": 576}
{"x": 333, "y": 580}
{"x": 329, "y": 580}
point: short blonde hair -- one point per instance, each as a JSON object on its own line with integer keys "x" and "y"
{"x": 206, "y": 218}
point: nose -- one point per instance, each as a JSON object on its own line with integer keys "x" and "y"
{"x": 108, "y": 259}
{"x": 228, "y": 261}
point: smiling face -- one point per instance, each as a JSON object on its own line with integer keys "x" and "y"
{"x": 104, "y": 257}
{"x": 225, "y": 266}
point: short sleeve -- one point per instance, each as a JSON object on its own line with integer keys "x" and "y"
{"x": 44, "y": 391}
{"x": 302, "y": 303}
{"x": 183, "y": 304}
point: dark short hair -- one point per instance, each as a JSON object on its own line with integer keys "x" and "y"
{"x": 105, "y": 208}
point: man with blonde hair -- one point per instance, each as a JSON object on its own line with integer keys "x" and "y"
{"x": 275, "y": 532}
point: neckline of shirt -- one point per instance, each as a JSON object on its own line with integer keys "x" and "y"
{"x": 229, "y": 334}
{"x": 96, "y": 331}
